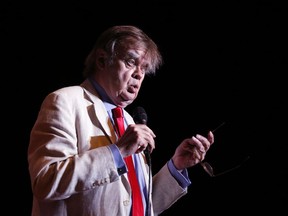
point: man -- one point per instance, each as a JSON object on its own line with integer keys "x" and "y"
{"x": 77, "y": 161}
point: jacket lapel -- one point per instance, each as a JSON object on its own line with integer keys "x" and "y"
{"x": 100, "y": 111}
{"x": 107, "y": 126}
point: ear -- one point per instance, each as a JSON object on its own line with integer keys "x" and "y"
{"x": 101, "y": 57}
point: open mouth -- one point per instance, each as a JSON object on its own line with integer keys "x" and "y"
{"x": 132, "y": 89}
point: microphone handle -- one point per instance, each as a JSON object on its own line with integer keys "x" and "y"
{"x": 148, "y": 156}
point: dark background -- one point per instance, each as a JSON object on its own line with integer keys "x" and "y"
{"x": 224, "y": 61}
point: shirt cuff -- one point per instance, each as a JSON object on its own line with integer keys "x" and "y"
{"x": 181, "y": 176}
{"x": 118, "y": 159}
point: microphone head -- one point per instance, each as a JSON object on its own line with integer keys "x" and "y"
{"x": 140, "y": 116}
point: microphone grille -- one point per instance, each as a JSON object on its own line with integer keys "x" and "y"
{"x": 140, "y": 116}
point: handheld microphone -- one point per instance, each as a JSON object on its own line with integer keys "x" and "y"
{"x": 140, "y": 117}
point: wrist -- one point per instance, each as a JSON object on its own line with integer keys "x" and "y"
{"x": 176, "y": 165}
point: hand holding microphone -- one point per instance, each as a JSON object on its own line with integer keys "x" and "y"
{"x": 137, "y": 137}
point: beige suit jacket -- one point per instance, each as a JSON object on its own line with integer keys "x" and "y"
{"x": 71, "y": 168}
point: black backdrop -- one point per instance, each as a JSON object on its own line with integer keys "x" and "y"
{"x": 223, "y": 62}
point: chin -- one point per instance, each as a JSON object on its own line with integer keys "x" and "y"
{"x": 126, "y": 103}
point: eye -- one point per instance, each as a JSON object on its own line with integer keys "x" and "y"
{"x": 130, "y": 62}
{"x": 145, "y": 68}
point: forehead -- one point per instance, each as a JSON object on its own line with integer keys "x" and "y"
{"x": 132, "y": 46}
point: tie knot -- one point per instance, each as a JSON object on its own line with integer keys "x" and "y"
{"x": 117, "y": 112}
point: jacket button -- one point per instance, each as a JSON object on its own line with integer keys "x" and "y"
{"x": 126, "y": 202}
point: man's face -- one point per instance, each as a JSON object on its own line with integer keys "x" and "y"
{"x": 122, "y": 79}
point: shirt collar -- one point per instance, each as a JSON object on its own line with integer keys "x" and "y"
{"x": 103, "y": 95}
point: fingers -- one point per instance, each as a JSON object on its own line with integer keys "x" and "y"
{"x": 141, "y": 137}
{"x": 210, "y": 137}
{"x": 202, "y": 143}
{"x": 148, "y": 143}
{"x": 199, "y": 145}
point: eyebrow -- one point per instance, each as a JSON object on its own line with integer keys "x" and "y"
{"x": 132, "y": 54}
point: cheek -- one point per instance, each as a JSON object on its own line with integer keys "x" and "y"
{"x": 127, "y": 74}
{"x": 119, "y": 77}
{"x": 120, "y": 82}
{"x": 125, "y": 77}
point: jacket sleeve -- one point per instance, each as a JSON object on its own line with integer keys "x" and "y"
{"x": 61, "y": 156}
{"x": 166, "y": 190}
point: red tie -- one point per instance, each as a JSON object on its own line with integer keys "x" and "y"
{"x": 137, "y": 206}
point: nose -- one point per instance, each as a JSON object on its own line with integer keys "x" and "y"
{"x": 139, "y": 73}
